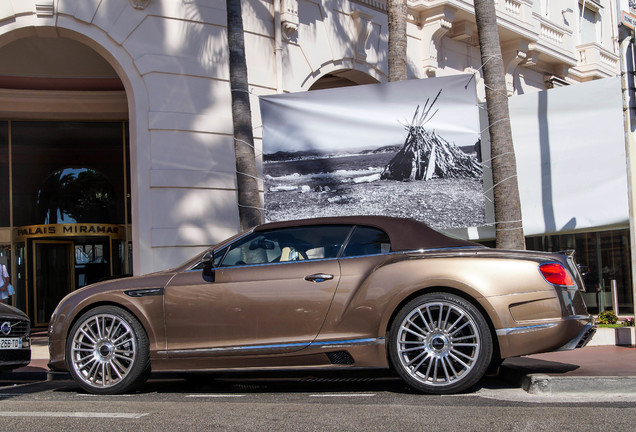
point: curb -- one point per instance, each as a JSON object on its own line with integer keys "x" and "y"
{"x": 539, "y": 384}
{"x": 542, "y": 384}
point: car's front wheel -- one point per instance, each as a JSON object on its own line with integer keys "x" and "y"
{"x": 440, "y": 343}
{"x": 107, "y": 351}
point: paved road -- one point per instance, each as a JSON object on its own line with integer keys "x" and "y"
{"x": 304, "y": 404}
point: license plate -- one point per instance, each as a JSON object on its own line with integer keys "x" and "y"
{"x": 10, "y": 343}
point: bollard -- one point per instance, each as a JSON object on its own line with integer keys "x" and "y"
{"x": 615, "y": 296}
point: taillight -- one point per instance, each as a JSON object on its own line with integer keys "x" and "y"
{"x": 556, "y": 274}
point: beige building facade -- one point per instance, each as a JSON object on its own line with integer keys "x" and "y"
{"x": 136, "y": 94}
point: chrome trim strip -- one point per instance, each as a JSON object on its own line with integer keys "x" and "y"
{"x": 404, "y": 252}
{"x": 579, "y": 317}
{"x": 248, "y": 348}
{"x": 524, "y": 329}
{"x": 447, "y": 248}
{"x": 234, "y": 349}
{"x": 347, "y": 343}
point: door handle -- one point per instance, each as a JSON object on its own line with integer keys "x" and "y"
{"x": 318, "y": 277}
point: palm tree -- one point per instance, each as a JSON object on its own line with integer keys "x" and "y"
{"x": 509, "y": 227}
{"x": 249, "y": 200}
{"x": 397, "y": 11}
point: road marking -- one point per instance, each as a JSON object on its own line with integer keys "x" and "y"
{"x": 344, "y": 395}
{"x": 115, "y": 395}
{"x": 71, "y": 414}
{"x": 215, "y": 396}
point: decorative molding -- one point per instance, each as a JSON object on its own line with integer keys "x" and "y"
{"x": 532, "y": 59}
{"x": 464, "y": 31}
{"x": 139, "y": 4}
{"x": 373, "y": 4}
{"x": 63, "y": 105}
{"x": 435, "y": 25}
{"x": 289, "y": 18}
{"x": 362, "y": 27}
{"x": 515, "y": 53}
{"x": 553, "y": 81}
{"x": 44, "y": 8}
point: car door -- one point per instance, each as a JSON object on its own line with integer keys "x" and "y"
{"x": 270, "y": 294}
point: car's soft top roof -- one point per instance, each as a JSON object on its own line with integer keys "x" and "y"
{"x": 405, "y": 234}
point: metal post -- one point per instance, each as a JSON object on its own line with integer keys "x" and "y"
{"x": 615, "y": 296}
{"x": 631, "y": 159}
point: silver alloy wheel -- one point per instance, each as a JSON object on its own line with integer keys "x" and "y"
{"x": 438, "y": 343}
{"x": 103, "y": 350}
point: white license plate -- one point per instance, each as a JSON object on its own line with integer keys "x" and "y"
{"x": 10, "y": 343}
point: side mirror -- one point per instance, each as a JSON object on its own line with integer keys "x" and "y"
{"x": 208, "y": 266}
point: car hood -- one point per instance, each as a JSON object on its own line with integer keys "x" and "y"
{"x": 7, "y": 311}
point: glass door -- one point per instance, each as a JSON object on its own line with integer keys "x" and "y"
{"x": 53, "y": 268}
{"x": 92, "y": 261}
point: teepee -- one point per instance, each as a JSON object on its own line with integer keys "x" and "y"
{"x": 426, "y": 155}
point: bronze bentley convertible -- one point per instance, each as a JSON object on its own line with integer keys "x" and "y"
{"x": 348, "y": 292}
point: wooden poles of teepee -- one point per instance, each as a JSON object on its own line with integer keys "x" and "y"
{"x": 426, "y": 155}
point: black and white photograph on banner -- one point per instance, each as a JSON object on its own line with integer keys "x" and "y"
{"x": 409, "y": 149}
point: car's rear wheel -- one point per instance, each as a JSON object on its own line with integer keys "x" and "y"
{"x": 107, "y": 351}
{"x": 440, "y": 343}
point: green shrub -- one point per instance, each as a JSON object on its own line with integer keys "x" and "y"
{"x": 607, "y": 317}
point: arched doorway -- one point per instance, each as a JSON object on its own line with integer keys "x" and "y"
{"x": 64, "y": 170}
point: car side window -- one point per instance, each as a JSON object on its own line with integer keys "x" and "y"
{"x": 367, "y": 241}
{"x": 287, "y": 244}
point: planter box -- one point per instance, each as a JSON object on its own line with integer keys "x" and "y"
{"x": 614, "y": 336}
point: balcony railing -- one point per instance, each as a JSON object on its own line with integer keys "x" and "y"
{"x": 552, "y": 34}
{"x": 513, "y": 7}
{"x": 549, "y": 39}
{"x": 594, "y": 61}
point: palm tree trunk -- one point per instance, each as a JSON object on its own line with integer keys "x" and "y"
{"x": 509, "y": 227}
{"x": 397, "y": 61}
{"x": 249, "y": 200}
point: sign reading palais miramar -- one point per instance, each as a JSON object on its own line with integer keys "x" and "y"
{"x": 70, "y": 230}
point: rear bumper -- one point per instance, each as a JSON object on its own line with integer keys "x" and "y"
{"x": 546, "y": 336}
{"x": 582, "y": 339}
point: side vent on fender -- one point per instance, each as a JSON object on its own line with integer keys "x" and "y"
{"x": 340, "y": 358}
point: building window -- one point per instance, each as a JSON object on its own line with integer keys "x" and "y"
{"x": 604, "y": 260}
{"x": 590, "y": 25}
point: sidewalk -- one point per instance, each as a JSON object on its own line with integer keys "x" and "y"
{"x": 593, "y": 369}
{"x": 605, "y": 368}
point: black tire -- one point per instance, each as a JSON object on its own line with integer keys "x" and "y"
{"x": 107, "y": 351}
{"x": 440, "y": 343}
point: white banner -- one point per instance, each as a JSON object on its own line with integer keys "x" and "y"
{"x": 570, "y": 149}
{"x": 404, "y": 149}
